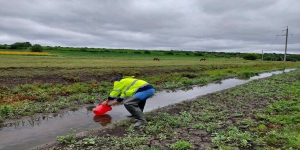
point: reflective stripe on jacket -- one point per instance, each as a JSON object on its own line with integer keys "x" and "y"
{"x": 126, "y": 87}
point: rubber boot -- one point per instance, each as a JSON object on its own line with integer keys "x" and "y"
{"x": 131, "y": 104}
{"x": 139, "y": 123}
{"x": 141, "y": 105}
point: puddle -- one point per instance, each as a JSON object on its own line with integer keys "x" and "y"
{"x": 29, "y": 134}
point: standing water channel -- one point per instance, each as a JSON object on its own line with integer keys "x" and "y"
{"x": 29, "y": 134}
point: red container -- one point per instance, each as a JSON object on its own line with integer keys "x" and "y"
{"x": 101, "y": 109}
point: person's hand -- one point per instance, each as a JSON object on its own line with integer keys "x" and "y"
{"x": 111, "y": 103}
{"x": 105, "y": 102}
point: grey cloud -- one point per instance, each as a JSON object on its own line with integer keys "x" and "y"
{"x": 206, "y": 25}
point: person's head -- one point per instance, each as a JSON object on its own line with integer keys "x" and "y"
{"x": 113, "y": 79}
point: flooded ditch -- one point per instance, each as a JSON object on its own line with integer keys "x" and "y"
{"x": 31, "y": 133}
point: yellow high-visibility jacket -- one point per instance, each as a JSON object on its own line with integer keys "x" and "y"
{"x": 126, "y": 87}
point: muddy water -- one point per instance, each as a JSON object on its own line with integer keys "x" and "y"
{"x": 29, "y": 134}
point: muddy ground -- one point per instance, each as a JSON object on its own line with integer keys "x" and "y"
{"x": 14, "y": 76}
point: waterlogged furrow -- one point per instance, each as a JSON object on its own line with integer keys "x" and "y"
{"x": 262, "y": 114}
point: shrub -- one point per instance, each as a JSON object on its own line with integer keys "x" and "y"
{"x": 36, "y": 48}
{"x": 147, "y": 52}
{"x": 83, "y": 49}
{"x": 137, "y": 52}
{"x": 198, "y": 54}
{"x": 5, "y": 110}
{"x": 250, "y": 56}
{"x": 169, "y": 53}
{"x": 3, "y": 46}
{"x": 20, "y": 45}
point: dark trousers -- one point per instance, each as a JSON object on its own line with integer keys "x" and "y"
{"x": 142, "y": 105}
{"x": 133, "y": 105}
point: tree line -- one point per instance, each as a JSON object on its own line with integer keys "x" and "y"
{"x": 23, "y": 46}
{"x": 246, "y": 56}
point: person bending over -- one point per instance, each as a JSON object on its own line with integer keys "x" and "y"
{"x": 134, "y": 93}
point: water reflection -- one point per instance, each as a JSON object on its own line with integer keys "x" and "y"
{"x": 103, "y": 119}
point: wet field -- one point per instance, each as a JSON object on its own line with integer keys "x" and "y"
{"x": 29, "y": 134}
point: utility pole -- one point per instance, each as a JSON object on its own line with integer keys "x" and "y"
{"x": 286, "y": 40}
{"x": 286, "y": 37}
{"x": 262, "y": 55}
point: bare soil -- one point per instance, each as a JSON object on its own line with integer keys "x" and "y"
{"x": 15, "y": 76}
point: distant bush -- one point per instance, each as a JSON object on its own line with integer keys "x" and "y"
{"x": 169, "y": 53}
{"x": 147, "y": 52}
{"x": 250, "y": 56}
{"x": 137, "y": 52}
{"x": 83, "y": 49}
{"x": 198, "y": 54}
{"x": 268, "y": 58}
{"x": 3, "y": 46}
{"x": 36, "y": 48}
{"x": 20, "y": 45}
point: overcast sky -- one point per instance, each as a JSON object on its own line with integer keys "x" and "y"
{"x": 202, "y": 25}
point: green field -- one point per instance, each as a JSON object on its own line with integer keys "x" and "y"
{"x": 33, "y": 81}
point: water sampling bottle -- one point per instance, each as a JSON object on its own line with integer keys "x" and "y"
{"x": 101, "y": 109}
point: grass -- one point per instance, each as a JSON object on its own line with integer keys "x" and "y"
{"x": 38, "y": 61}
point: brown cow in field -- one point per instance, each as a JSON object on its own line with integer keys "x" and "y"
{"x": 202, "y": 59}
{"x": 155, "y": 59}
